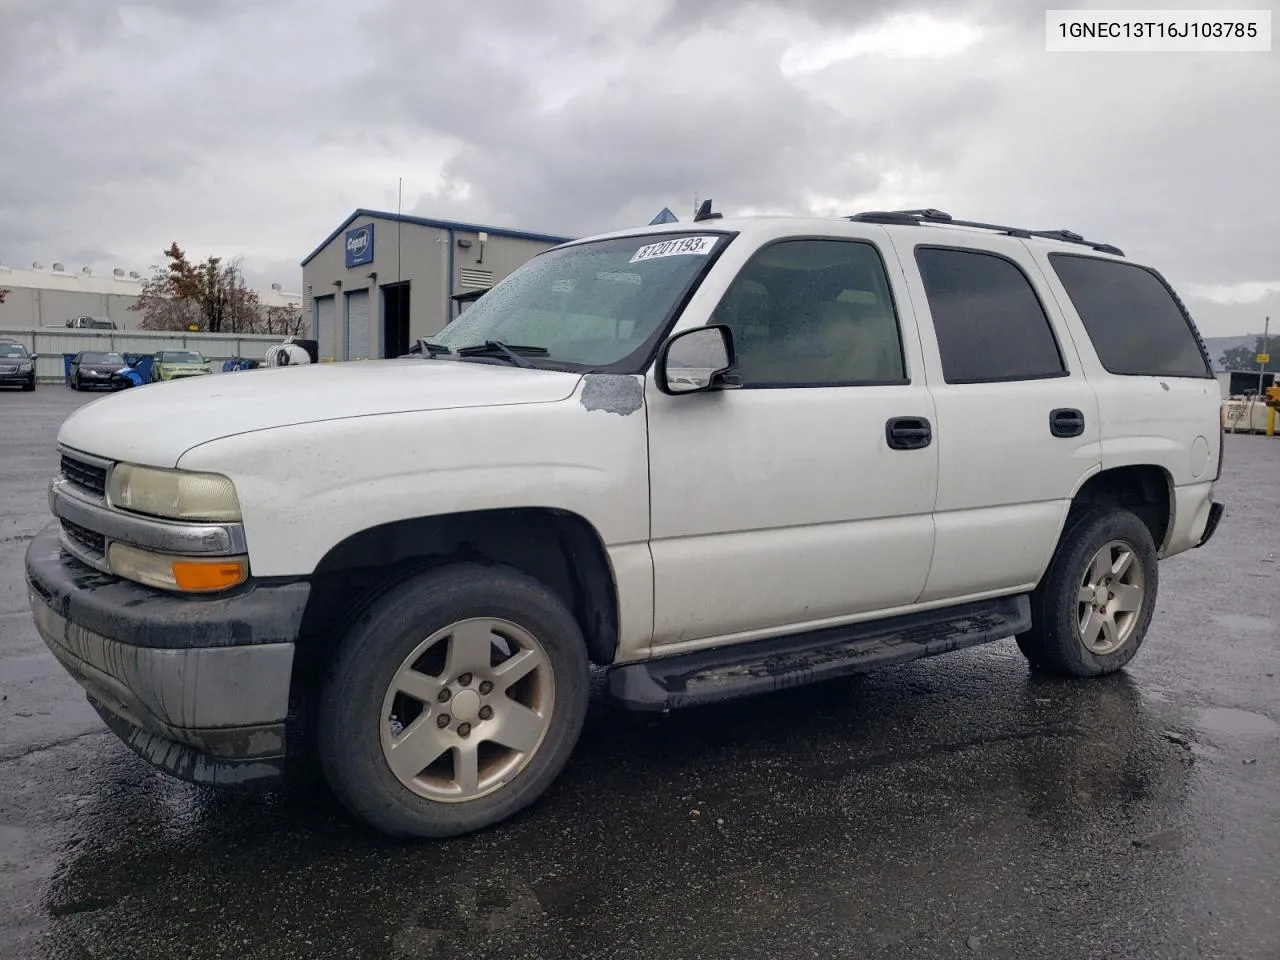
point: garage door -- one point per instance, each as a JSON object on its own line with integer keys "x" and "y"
{"x": 358, "y": 325}
{"x": 327, "y": 327}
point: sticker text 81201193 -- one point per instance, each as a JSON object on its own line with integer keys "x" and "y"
{"x": 678, "y": 246}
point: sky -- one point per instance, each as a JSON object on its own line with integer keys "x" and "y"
{"x": 252, "y": 128}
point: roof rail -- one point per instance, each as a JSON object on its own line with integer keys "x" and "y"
{"x": 930, "y": 215}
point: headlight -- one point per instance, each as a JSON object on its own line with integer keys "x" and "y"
{"x": 177, "y": 573}
{"x": 25, "y": 366}
{"x": 173, "y": 494}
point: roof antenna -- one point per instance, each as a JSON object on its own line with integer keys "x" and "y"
{"x": 704, "y": 212}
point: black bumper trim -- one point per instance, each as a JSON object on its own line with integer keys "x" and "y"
{"x": 1216, "y": 510}
{"x": 144, "y": 617}
{"x": 187, "y": 763}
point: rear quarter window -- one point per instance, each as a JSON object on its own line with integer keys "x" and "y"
{"x": 1137, "y": 325}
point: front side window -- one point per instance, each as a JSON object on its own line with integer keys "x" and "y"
{"x": 991, "y": 326}
{"x": 814, "y": 313}
{"x": 593, "y": 305}
{"x": 1131, "y": 316}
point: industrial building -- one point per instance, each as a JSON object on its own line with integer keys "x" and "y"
{"x": 57, "y": 297}
{"x": 382, "y": 280}
{"x": 41, "y": 297}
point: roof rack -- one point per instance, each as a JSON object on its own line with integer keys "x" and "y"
{"x": 929, "y": 215}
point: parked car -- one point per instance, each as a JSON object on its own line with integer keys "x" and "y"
{"x": 176, "y": 364}
{"x": 91, "y": 323}
{"x": 17, "y": 366}
{"x": 96, "y": 370}
{"x": 715, "y": 459}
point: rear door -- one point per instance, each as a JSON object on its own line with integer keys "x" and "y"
{"x": 1018, "y": 426}
{"x": 1160, "y": 402}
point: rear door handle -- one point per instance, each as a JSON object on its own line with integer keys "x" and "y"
{"x": 908, "y": 433}
{"x": 1066, "y": 422}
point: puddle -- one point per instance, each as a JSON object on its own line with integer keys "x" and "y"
{"x": 1228, "y": 722}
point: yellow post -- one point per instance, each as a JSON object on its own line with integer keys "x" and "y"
{"x": 1271, "y": 421}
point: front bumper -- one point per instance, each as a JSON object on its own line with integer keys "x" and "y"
{"x": 197, "y": 686}
{"x": 16, "y": 379}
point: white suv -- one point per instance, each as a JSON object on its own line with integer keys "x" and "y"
{"x": 716, "y": 458}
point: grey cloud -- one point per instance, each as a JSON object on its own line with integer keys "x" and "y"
{"x": 570, "y": 116}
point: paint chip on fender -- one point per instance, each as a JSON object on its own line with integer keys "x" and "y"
{"x": 612, "y": 393}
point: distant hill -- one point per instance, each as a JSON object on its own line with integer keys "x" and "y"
{"x": 1218, "y": 345}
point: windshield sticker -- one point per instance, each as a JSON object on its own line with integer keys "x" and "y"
{"x": 619, "y": 277}
{"x": 680, "y": 246}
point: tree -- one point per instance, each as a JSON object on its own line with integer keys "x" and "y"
{"x": 211, "y": 295}
{"x": 285, "y": 321}
{"x": 1242, "y": 358}
{"x": 4, "y": 293}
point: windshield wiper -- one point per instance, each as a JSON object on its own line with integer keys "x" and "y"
{"x": 429, "y": 349}
{"x": 511, "y": 351}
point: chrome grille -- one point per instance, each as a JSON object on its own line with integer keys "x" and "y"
{"x": 86, "y": 476}
{"x": 94, "y": 543}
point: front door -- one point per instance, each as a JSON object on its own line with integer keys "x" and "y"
{"x": 781, "y": 505}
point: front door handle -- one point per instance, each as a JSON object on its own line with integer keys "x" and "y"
{"x": 908, "y": 433}
{"x": 1066, "y": 423}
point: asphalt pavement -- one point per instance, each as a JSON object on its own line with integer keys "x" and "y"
{"x": 956, "y": 807}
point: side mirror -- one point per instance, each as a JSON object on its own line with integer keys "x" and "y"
{"x": 696, "y": 360}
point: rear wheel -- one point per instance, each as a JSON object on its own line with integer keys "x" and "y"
{"x": 454, "y": 701}
{"x": 1091, "y": 612}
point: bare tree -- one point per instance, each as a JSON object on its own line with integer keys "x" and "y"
{"x": 212, "y": 296}
{"x": 4, "y": 293}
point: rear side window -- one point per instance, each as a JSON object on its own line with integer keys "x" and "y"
{"x": 1136, "y": 325}
{"x": 990, "y": 324}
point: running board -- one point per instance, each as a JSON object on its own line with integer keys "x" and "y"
{"x": 742, "y": 670}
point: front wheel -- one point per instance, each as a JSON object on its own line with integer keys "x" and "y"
{"x": 454, "y": 701}
{"x": 1091, "y": 612}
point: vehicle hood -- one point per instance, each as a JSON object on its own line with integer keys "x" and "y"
{"x": 101, "y": 367}
{"x": 158, "y": 422}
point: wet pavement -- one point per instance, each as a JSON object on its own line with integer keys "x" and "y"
{"x": 956, "y": 807}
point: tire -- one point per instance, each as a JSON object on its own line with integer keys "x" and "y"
{"x": 75, "y": 382}
{"x": 356, "y": 733}
{"x": 1061, "y": 615}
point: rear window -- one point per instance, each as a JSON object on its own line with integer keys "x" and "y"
{"x": 1137, "y": 326}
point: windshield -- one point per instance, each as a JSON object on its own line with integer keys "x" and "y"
{"x": 590, "y": 305}
{"x": 13, "y": 350}
{"x": 181, "y": 356}
{"x": 101, "y": 358}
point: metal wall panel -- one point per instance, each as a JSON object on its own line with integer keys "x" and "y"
{"x": 358, "y": 325}
{"x": 49, "y": 344}
{"x": 327, "y": 327}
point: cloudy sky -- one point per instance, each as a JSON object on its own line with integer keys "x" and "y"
{"x": 253, "y": 127}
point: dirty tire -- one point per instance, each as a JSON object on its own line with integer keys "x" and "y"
{"x": 373, "y": 650}
{"x": 1054, "y": 643}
